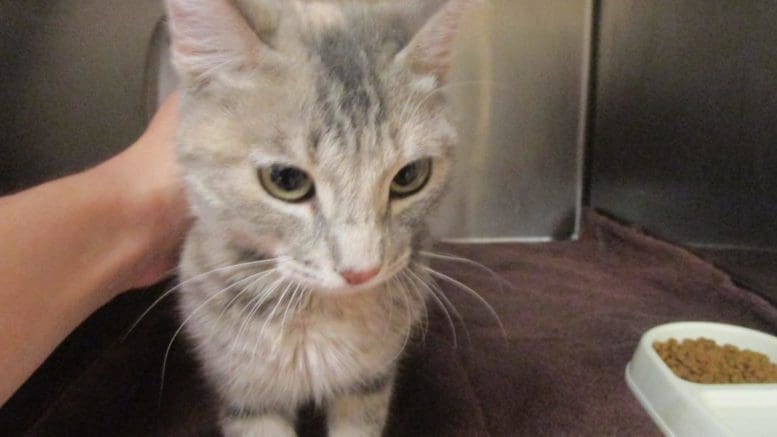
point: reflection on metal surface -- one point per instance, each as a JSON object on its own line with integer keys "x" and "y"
{"x": 519, "y": 89}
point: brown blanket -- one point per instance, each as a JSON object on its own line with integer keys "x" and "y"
{"x": 573, "y": 313}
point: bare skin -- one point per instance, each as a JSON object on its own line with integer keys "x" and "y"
{"x": 71, "y": 245}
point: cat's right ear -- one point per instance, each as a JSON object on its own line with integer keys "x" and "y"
{"x": 213, "y": 42}
{"x": 429, "y": 53}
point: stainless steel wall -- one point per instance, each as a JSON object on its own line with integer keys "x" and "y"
{"x": 520, "y": 85}
{"x": 685, "y": 131}
{"x": 73, "y": 81}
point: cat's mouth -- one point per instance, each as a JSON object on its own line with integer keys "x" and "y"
{"x": 331, "y": 282}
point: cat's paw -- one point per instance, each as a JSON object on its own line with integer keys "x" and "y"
{"x": 360, "y": 414}
{"x": 268, "y": 425}
{"x": 354, "y": 431}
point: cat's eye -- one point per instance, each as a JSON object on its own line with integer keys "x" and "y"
{"x": 411, "y": 178}
{"x": 287, "y": 183}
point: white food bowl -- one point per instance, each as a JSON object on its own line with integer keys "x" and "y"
{"x": 682, "y": 408}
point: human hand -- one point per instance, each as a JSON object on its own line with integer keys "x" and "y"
{"x": 155, "y": 204}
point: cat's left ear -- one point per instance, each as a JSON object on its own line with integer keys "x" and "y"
{"x": 430, "y": 51}
{"x": 213, "y": 41}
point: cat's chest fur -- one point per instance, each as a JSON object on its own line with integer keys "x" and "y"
{"x": 319, "y": 347}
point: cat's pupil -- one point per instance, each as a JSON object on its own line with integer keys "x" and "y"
{"x": 407, "y": 175}
{"x": 287, "y": 178}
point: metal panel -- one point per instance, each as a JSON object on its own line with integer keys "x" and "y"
{"x": 685, "y": 132}
{"x": 520, "y": 86}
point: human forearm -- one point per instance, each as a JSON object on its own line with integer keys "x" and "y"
{"x": 69, "y": 246}
{"x": 52, "y": 276}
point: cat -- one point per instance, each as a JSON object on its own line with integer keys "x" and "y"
{"x": 314, "y": 140}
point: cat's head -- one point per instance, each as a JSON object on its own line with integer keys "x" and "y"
{"x": 315, "y": 132}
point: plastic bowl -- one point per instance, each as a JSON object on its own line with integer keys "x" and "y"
{"x": 683, "y": 408}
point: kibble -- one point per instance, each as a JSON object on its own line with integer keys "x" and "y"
{"x": 704, "y": 361}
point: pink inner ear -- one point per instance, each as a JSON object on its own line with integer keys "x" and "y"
{"x": 209, "y": 37}
{"x": 431, "y": 49}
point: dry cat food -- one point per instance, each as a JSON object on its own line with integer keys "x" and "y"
{"x": 702, "y": 360}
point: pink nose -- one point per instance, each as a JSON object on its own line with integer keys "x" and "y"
{"x": 359, "y": 277}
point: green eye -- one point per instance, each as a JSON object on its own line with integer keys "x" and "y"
{"x": 287, "y": 183}
{"x": 411, "y": 178}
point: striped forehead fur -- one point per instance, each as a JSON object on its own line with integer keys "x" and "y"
{"x": 349, "y": 57}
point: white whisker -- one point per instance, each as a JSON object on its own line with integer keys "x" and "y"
{"x": 435, "y": 289}
{"x": 411, "y": 289}
{"x": 409, "y": 312}
{"x": 259, "y": 300}
{"x": 194, "y": 278}
{"x": 258, "y": 336}
{"x": 445, "y": 311}
{"x": 249, "y": 304}
{"x": 453, "y": 258}
{"x": 408, "y": 306}
{"x": 292, "y": 299}
{"x": 264, "y": 273}
{"x": 270, "y": 316}
{"x": 178, "y": 331}
{"x": 472, "y": 292}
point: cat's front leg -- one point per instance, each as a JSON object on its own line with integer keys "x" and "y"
{"x": 242, "y": 424}
{"x": 362, "y": 412}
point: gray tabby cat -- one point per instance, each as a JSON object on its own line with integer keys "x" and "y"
{"x": 315, "y": 142}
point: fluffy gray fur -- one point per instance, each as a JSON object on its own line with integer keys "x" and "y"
{"x": 349, "y": 93}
